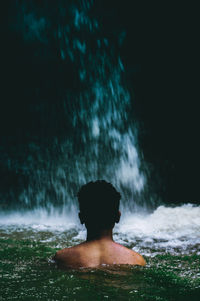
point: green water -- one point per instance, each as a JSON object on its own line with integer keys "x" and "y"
{"x": 28, "y": 273}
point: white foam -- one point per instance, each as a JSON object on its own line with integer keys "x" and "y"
{"x": 164, "y": 221}
{"x": 41, "y": 219}
{"x": 165, "y": 229}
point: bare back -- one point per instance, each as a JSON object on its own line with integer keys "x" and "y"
{"x": 95, "y": 253}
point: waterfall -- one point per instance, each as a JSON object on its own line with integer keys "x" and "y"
{"x": 92, "y": 105}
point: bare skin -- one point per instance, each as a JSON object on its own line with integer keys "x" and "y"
{"x": 97, "y": 250}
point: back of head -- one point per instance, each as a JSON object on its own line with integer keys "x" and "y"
{"x": 99, "y": 204}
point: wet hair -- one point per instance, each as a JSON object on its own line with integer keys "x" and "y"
{"x": 99, "y": 203}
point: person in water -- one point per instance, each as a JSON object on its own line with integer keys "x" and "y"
{"x": 99, "y": 211}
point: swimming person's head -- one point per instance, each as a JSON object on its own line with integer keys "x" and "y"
{"x": 99, "y": 205}
{"x": 99, "y": 211}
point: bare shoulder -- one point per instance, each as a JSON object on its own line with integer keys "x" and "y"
{"x": 131, "y": 256}
{"x": 139, "y": 258}
{"x": 62, "y": 253}
{"x": 92, "y": 255}
{"x": 67, "y": 256}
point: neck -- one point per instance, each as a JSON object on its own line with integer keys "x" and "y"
{"x": 96, "y": 234}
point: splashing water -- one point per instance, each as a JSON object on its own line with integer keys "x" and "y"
{"x": 171, "y": 230}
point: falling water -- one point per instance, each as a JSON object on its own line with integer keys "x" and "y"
{"x": 100, "y": 139}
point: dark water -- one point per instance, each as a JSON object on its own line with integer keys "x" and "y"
{"x": 94, "y": 90}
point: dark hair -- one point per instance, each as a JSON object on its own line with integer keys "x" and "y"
{"x": 99, "y": 202}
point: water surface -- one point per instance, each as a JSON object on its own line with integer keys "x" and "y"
{"x": 168, "y": 238}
